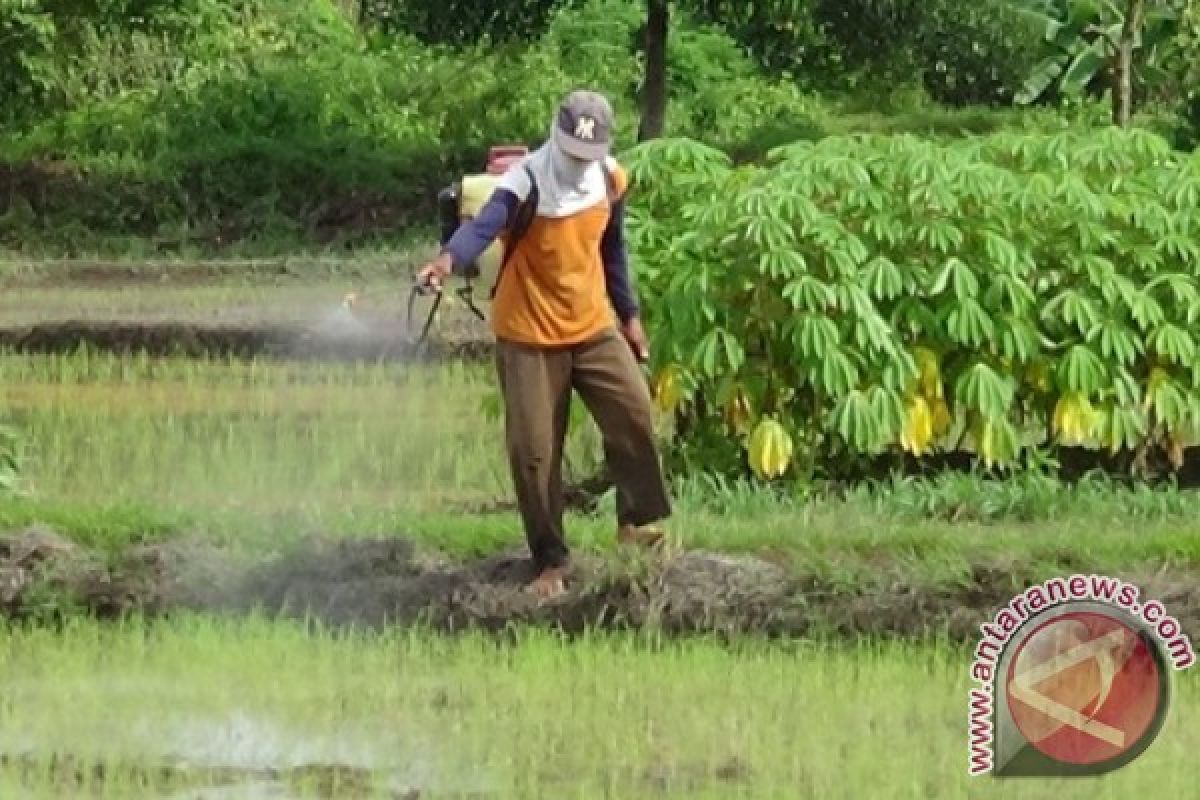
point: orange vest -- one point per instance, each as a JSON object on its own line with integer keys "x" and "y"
{"x": 552, "y": 292}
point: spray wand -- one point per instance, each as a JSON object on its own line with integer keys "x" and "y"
{"x": 420, "y": 288}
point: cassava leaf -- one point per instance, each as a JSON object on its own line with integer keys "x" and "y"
{"x": 883, "y": 278}
{"x": 1081, "y": 370}
{"x": 968, "y": 324}
{"x": 854, "y": 421}
{"x": 980, "y": 388}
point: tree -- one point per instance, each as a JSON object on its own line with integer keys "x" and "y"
{"x": 458, "y": 22}
{"x": 752, "y": 18}
{"x": 654, "y": 87}
{"x": 1097, "y": 45}
{"x": 1130, "y": 29}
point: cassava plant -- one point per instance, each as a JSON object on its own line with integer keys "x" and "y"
{"x": 864, "y": 296}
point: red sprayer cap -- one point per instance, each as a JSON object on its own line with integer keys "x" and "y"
{"x": 501, "y": 157}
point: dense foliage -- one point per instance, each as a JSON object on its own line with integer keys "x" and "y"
{"x": 203, "y": 124}
{"x": 867, "y": 295}
{"x": 228, "y": 122}
{"x": 962, "y": 53}
{"x": 460, "y": 21}
{"x": 845, "y": 299}
{"x": 1088, "y": 39}
{"x": 1184, "y": 61}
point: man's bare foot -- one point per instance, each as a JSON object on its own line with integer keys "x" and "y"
{"x": 648, "y": 537}
{"x": 550, "y": 583}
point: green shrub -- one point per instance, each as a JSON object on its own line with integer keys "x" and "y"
{"x": 58, "y": 55}
{"x": 236, "y": 147}
{"x": 26, "y": 57}
{"x": 461, "y": 22}
{"x": 975, "y": 53}
{"x": 1185, "y": 64}
{"x": 960, "y": 53}
{"x": 594, "y": 42}
{"x": 879, "y": 295}
{"x": 270, "y": 120}
{"x": 721, "y": 97}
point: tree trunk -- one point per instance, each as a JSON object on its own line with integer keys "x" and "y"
{"x": 654, "y": 88}
{"x": 1123, "y": 75}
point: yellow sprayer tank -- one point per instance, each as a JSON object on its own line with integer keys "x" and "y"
{"x": 476, "y": 189}
{"x": 470, "y": 195}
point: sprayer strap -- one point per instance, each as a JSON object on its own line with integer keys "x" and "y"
{"x": 517, "y": 226}
{"x": 527, "y": 210}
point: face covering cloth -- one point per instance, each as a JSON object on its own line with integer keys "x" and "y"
{"x": 566, "y": 185}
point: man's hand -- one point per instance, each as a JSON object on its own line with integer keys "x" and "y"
{"x": 436, "y": 271}
{"x": 636, "y": 337}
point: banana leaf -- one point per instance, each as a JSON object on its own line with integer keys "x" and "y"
{"x": 1042, "y": 15}
{"x": 1085, "y": 66}
{"x": 1043, "y": 77}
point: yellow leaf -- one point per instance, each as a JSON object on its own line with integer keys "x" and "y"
{"x": 991, "y": 443}
{"x": 1175, "y": 452}
{"x": 918, "y": 427}
{"x": 666, "y": 389}
{"x": 1074, "y": 419}
{"x": 738, "y": 411}
{"x": 941, "y": 418}
{"x": 929, "y": 378}
{"x": 770, "y": 449}
{"x": 987, "y": 443}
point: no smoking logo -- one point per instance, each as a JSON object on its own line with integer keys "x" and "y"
{"x": 1084, "y": 691}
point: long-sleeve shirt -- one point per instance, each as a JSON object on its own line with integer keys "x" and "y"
{"x": 474, "y": 237}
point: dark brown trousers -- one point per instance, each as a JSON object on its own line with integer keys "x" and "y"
{"x": 537, "y": 384}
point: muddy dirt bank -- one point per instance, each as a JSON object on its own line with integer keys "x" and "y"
{"x": 386, "y": 343}
{"x": 76, "y": 273}
{"x": 375, "y": 583}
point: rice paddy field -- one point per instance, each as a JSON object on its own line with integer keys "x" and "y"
{"x": 254, "y": 455}
{"x": 198, "y": 708}
{"x": 264, "y": 292}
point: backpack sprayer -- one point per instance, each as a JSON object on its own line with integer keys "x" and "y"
{"x": 456, "y": 204}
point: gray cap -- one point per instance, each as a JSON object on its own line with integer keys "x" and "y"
{"x": 584, "y": 125}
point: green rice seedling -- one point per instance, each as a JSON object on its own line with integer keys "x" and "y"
{"x": 263, "y": 301}
{"x": 602, "y": 715}
{"x": 243, "y": 448}
{"x": 184, "y": 432}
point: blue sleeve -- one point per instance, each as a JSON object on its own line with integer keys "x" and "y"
{"x": 616, "y": 265}
{"x": 478, "y": 233}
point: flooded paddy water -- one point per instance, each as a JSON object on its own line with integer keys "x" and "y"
{"x": 202, "y": 708}
{"x": 324, "y": 615}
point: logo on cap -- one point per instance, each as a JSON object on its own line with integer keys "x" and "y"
{"x": 585, "y": 128}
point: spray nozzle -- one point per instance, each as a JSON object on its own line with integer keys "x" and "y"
{"x": 425, "y": 286}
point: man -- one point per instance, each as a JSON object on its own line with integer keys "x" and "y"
{"x": 565, "y": 317}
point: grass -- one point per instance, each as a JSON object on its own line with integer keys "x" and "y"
{"x": 180, "y": 434}
{"x": 257, "y": 454}
{"x": 601, "y": 717}
{"x": 249, "y": 304}
{"x": 384, "y": 260}
{"x": 269, "y": 291}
